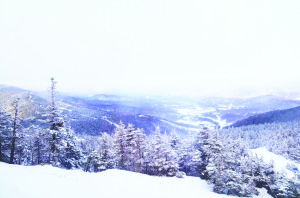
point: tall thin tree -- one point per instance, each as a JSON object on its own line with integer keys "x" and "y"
{"x": 15, "y": 126}
{"x": 53, "y": 125}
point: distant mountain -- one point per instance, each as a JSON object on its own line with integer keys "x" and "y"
{"x": 102, "y": 113}
{"x": 286, "y": 115}
{"x": 32, "y": 106}
{"x": 94, "y": 115}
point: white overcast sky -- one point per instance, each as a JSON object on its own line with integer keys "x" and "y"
{"x": 156, "y": 46}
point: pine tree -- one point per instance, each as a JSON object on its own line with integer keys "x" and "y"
{"x": 147, "y": 156}
{"x": 140, "y": 142}
{"x": 130, "y": 148}
{"x": 40, "y": 145}
{"x": 190, "y": 157}
{"x": 120, "y": 145}
{"x": 106, "y": 154}
{"x": 30, "y": 138}
{"x": 23, "y": 152}
{"x": 16, "y": 127}
{"x": 203, "y": 143}
{"x": 135, "y": 144}
{"x": 92, "y": 162}
{"x": 163, "y": 160}
{"x": 155, "y": 153}
{"x": 216, "y": 156}
{"x": 175, "y": 141}
{"x": 62, "y": 148}
{"x": 89, "y": 146}
{"x": 232, "y": 178}
{"x": 56, "y": 124}
{"x": 5, "y": 134}
{"x": 72, "y": 154}
{"x": 170, "y": 150}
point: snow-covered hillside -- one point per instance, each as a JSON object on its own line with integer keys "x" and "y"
{"x": 46, "y": 181}
{"x": 279, "y": 162}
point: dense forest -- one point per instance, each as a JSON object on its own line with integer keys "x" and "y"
{"x": 222, "y": 157}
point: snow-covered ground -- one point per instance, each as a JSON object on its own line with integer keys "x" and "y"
{"x": 280, "y": 163}
{"x": 46, "y": 181}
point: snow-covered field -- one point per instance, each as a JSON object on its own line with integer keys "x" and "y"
{"x": 46, "y": 181}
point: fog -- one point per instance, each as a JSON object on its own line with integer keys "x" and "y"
{"x": 207, "y": 48}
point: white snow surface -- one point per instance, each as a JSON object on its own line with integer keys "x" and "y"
{"x": 262, "y": 193}
{"x": 46, "y": 181}
{"x": 280, "y": 163}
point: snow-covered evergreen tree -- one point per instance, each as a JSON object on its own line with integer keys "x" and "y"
{"x": 155, "y": 153}
{"x": 5, "y": 134}
{"x": 23, "y": 153}
{"x": 40, "y": 145}
{"x": 57, "y": 141}
{"x": 32, "y": 146}
{"x": 106, "y": 154}
{"x": 62, "y": 149}
{"x": 120, "y": 145}
{"x": 175, "y": 141}
{"x": 163, "y": 160}
{"x": 135, "y": 145}
{"x": 99, "y": 153}
{"x": 216, "y": 156}
{"x": 140, "y": 146}
{"x": 130, "y": 148}
{"x": 92, "y": 162}
{"x": 16, "y": 128}
{"x": 170, "y": 149}
{"x": 203, "y": 144}
{"x": 235, "y": 178}
{"x": 72, "y": 154}
{"x": 89, "y": 146}
{"x": 190, "y": 157}
{"x": 129, "y": 145}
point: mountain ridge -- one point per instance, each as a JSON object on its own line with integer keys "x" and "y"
{"x": 286, "y": 115}
{"x": 102, "y": 112}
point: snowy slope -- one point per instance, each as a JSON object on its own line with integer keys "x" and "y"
{"x": 46, "y": 181}
{"x": 280, "y": 163}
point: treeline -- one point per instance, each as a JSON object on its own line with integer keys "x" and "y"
{"x": 225, "y": 162}
{"x": 280, "y": 138}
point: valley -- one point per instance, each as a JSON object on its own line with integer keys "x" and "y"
{"x": 100, "y": 113}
